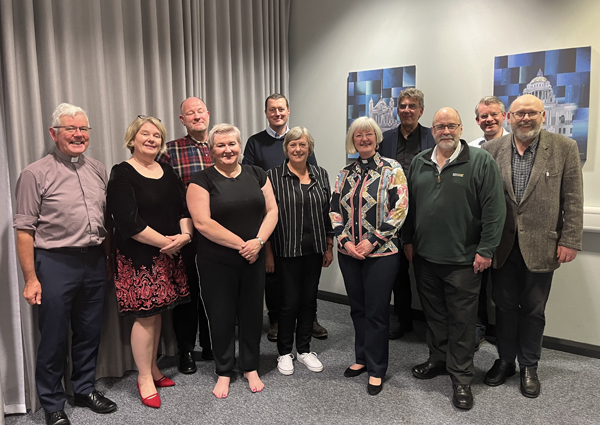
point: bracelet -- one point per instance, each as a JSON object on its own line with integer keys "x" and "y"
{"x": 262, "y": 243}
{"x": 190, "y": 235}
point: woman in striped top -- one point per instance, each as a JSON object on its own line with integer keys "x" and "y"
{"x": 300, "y": 246}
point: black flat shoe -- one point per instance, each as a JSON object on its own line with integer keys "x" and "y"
{"x": 57, "y": 418}
{"x": 374, "y": 389}
{"x": 95, "y": 401}
{"x": 187, "y": 365}
{"x": 463, "y": 397}
{"x": 429, "y": 370}
{"x": 530, "y": 384}
{"x": 351, "y": 373}
{"x": 498, "y": 374}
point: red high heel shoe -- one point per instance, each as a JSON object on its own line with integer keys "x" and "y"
{"x": 150, "y": 401}
{"x": 164, "y": 382}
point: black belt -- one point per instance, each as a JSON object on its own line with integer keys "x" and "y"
{"x": 74, "y": 250}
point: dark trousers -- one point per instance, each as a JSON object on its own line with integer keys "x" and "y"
{"x": 299, "y": 277}
{"x": 482, "y": 312}
{"x": 403, "y": 292}
{"x": 449, "y": 297}
{"x": 230, "y": 292}
{"x": 272, "y": 296}
{"x": 189, "y": 318}
{"x": 73, "y": 286}
{"x": 520, "y": 297}
{"x": 369, "y": 285}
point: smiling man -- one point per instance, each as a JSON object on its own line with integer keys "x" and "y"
{"x": 543, "y": 184}
{"x": 187, "y": 156}
{"x": 265, "y": 150}
{"x": 64, "y": 256}
{"x": 455, "y": 217}
{"x": 403, "y": 143}
{"x": 489, "y": 115}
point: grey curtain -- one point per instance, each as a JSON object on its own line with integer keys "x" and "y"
{"x": 118, "y": 59}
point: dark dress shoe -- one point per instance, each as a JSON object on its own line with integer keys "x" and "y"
{"x": 530, "y": 384}
{"x": 498, "y": 374}
{"x": 374, "y": 389}
{"x": 319, "y": 331}
{"x": 95, "y": 401}
{"x": 429, "y": 370}
{"x": 187, "y": 364}
{"x": 207, "y": 354}
{"x": 463, "y": 397}
{"x": 57, "y": 418}
{"x": 351, "y": 373}
{"x": 398, "y": 328}
{"x": 272, "y": 334}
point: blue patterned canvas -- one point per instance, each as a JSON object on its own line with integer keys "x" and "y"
{"x": 561, "y": 78}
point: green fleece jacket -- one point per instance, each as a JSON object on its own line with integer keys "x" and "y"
{"x": 458, "y": 212}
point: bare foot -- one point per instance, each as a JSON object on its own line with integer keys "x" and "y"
{"x": 222, "y": 387}
{"x": 254, "y": 382}
{"x": 374, "y": 381}
{"x": 357, "y": 366}
{"x": 146, "y": 386}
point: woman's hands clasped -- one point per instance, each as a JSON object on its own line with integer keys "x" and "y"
{"x": 359, "y": 251}
{"x": 177, "y": 242}
{"x": 250, "y": 250}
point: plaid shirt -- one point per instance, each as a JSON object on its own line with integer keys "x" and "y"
{"x": 187, "y": 157}
{"x": 521, "y": 167}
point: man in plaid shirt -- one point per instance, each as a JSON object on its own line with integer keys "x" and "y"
{"x": 187, "y": 156}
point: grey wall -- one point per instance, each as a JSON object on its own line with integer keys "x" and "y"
{"x": 453, "y": 45}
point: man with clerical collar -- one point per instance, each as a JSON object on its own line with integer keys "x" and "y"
{"x": 187, "y": 156}
{"x": 455, "y": 218}
{"x": 543, "y": 184}
{"x": 64, "y": 252}
{"x": 403, "y": 143}
{"x": 265, "y": 150}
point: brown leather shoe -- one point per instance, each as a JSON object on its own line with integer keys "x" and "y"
{"x": 319, "y": 331}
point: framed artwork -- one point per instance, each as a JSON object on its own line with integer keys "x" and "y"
{"x": 560, "y": 79}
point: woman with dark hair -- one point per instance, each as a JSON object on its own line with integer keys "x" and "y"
{"x": 301, "y": 245}
{"x": 233, "y": 208}
{"x": 368, "y": 206}
{"x": 147, "y": 203}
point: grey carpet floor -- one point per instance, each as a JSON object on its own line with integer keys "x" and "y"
{"x": 570, "y": 390}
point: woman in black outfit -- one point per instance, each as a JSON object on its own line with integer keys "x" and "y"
{"x": 233, "y": 208}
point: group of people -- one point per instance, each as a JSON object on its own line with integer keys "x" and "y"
{"x": 190, "y": 226}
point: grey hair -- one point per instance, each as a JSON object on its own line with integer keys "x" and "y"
{"x": 223, "y": 129}
{"x": 489, "y": 100}
{"x": 296, "y": 133}
{"x": 413, "y": 93}
{"x": 362, "y": 123}
{"x": 66, "y": 109}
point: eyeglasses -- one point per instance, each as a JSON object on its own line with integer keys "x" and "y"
{"x": 520, "y": 114}
{"x": 71, "y": 129}
{"x": 411, "y": 106}
{"x": 143, "y": 117}
{"x": 451, "y": 127}
{"x": 485, "y": 116}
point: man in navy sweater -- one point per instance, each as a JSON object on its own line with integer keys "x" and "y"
{"x": 265, "y": 150}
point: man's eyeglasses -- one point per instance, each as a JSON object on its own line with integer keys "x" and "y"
{"x": 485, "y": 116}
{"x": 143, "y": 117}
{"x": 520, "y": 114}
{"x": 71, "y": 129}
{"x": 451, "y": 127}
{"x": 411, "y": 106}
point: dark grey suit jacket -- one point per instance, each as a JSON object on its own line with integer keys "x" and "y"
{"x": 551, "y": 211}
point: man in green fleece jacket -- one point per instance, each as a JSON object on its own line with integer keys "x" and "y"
{"x": 455, "y": 219}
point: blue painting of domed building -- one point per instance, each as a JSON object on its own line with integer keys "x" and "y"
{"x": 560, "y": 78}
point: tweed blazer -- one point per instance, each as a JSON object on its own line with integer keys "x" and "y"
{"x": 551, "y": 210}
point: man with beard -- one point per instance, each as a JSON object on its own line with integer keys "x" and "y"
{"x": 543, "y": 185}
{"x": 403, "y": 143}
{"x": 187, "y": 156}
{"x": 454, "y": 224}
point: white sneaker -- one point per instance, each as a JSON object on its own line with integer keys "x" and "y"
{"x": 285, "y": 364}
{"x": 310, "y": 360}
